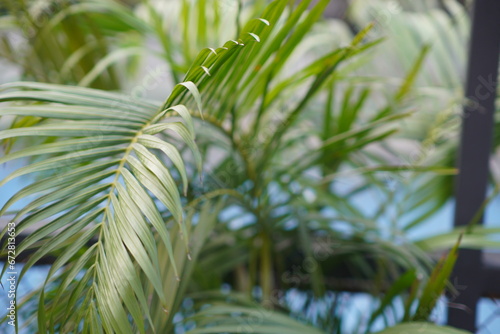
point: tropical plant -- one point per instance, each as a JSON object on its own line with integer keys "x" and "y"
{"x": 292, "y": 138}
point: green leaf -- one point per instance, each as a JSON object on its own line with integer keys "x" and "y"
{"x": 421, "y": 327}
{"x": 436, "y": 283}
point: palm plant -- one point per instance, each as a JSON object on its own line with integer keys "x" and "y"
{"x": 284, "y": 125}
{"x": 444, "y": 26}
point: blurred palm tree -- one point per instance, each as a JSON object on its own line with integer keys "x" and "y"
{"x": 306, "y": 185}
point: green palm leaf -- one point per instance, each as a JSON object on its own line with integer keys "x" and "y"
{"x": 421, "y": 327}
{"x": 230, "y": 318}
{"x": 100, "y": 168}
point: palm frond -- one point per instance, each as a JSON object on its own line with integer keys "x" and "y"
{"x": 421, "y": 327}
{"x": 104, "y": 185}
{"x": 233, "y": 318}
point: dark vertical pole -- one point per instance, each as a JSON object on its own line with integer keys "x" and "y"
{"x": 475, "y": 148}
